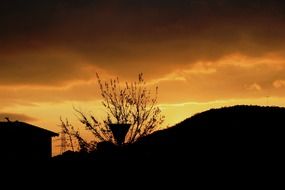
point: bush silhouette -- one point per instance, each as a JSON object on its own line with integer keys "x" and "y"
{"x": 128, "y": 103}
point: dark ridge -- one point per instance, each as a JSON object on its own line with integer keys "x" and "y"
{"x": 225, "y": 119}
{"x": 226, "y": 135}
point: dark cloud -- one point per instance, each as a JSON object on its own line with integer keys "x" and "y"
{"x": 39, "y": 68}
{"x": 126, "y": 36}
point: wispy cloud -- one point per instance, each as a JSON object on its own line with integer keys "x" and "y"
{"x": 16, "y": 116}
{"x": 279, "y": 83}
{"x": 254, "y": 87}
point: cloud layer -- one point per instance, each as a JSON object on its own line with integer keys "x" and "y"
{"x": 55, "y": 42}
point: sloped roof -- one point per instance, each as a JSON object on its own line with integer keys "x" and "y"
{"x": 21, "y": 126}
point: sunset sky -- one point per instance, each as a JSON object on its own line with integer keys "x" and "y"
{"x": 201, "y": 54}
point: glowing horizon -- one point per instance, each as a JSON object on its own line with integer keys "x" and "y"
{"x": 201, "y": 55}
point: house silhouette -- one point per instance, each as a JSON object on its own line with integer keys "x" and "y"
{"x": 22, "y": 141}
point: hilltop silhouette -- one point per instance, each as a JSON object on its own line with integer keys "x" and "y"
{"x": 239, "y": 131}
{"x": 230, "y": 134}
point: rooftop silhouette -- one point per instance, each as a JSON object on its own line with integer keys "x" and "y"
{"x": 22, "y": 141}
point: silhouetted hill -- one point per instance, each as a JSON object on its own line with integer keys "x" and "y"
{"x": 236, "y": 118}
{"x": 238, "y": 131}
{"x": 231, "y": 134}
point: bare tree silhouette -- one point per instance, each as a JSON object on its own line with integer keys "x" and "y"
{"x": 129, "y": 103}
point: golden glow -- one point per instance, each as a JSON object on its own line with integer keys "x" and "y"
{"x": 201, "y": 55}
{"x": 47, "y": 114}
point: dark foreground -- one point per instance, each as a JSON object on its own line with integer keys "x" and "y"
{"x": 238, "y": 135}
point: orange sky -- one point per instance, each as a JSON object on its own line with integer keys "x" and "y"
{"x": 201, "y": 54}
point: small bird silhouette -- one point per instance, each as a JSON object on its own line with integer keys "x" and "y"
{"x": 7, "y": 118}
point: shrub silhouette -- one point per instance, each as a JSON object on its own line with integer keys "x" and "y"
{"x": 129, "y": 103}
